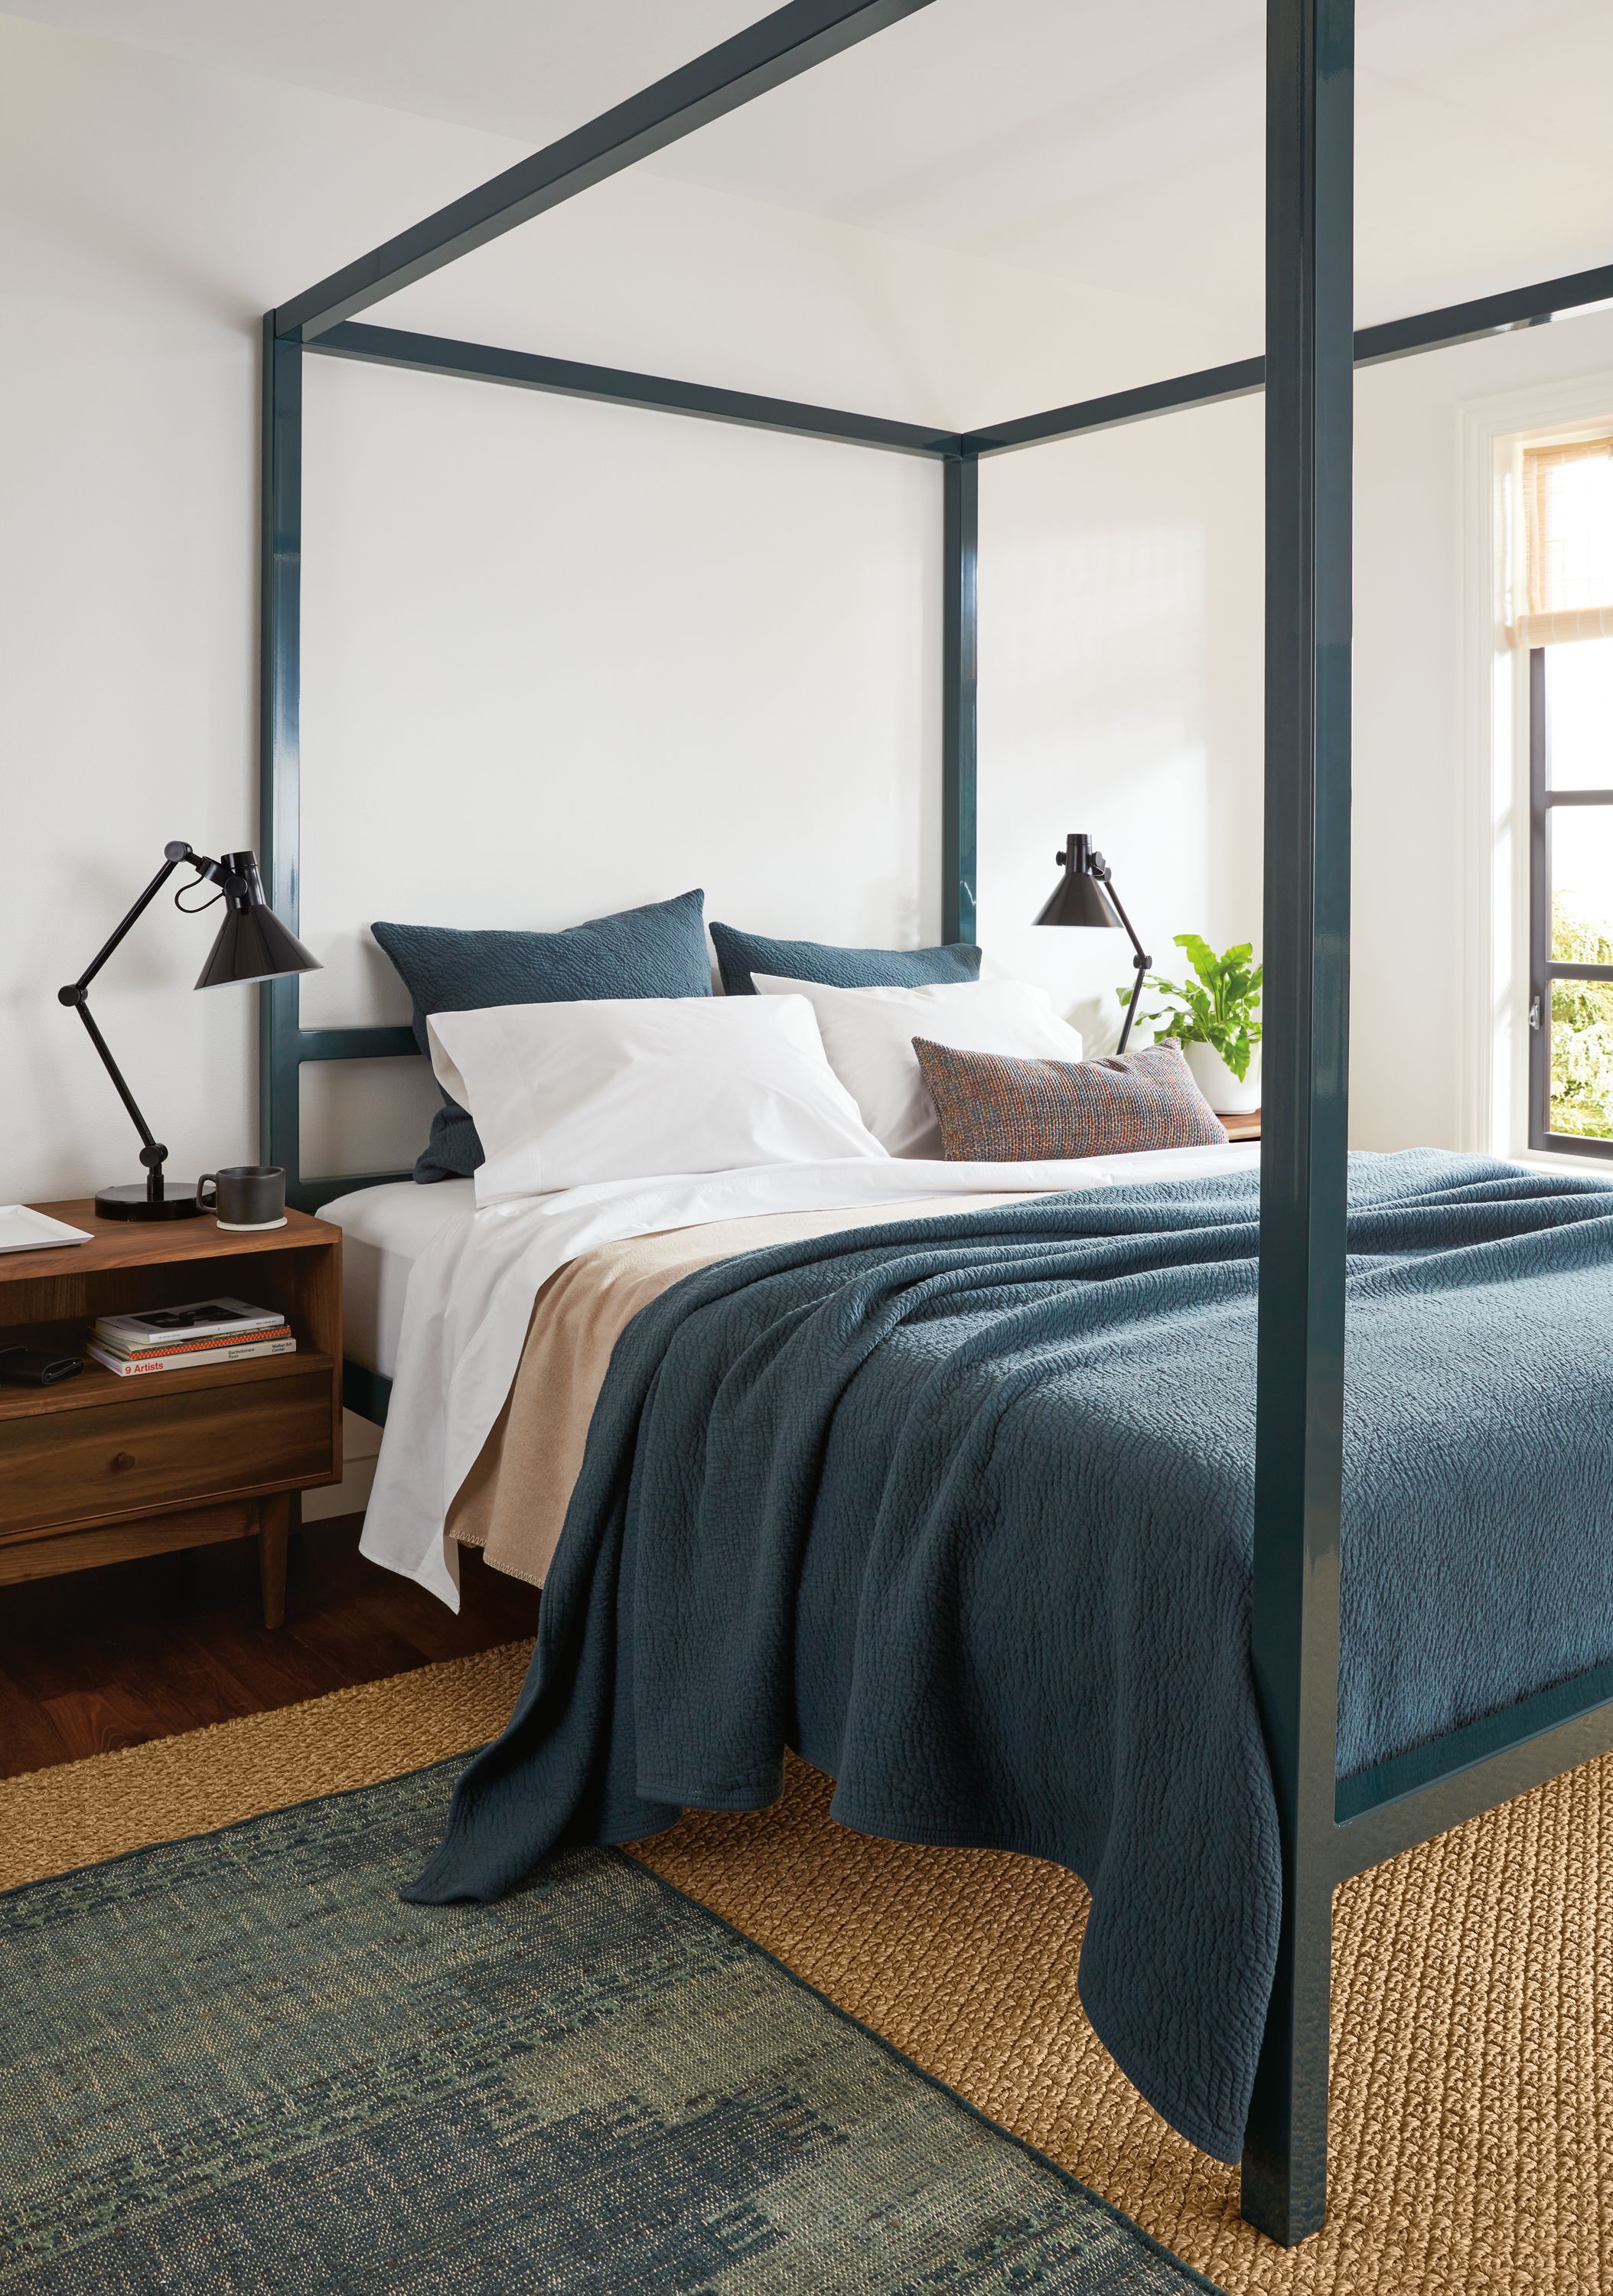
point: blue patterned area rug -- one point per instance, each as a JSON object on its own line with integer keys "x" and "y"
{"x": 239, "y": 2063}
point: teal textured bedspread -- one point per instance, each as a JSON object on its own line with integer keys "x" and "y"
{"x": 962, "y": 1509}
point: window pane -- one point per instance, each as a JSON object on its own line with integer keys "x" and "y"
{"x": 1582, "y": 884}
{"x": 1579, "y": 715}
{"x": 1582, "y": 1059}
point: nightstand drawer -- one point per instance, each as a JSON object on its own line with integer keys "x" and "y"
{"x": 155, "y": 1449}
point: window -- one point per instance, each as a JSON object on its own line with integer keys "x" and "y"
{"x": 1567, "y": 625}
{"x": 1571, "y": 898}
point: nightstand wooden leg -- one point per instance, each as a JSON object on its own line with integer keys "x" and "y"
{"x": 274, "y": 1523}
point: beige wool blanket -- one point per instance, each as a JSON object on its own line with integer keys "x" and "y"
{"x": 512, "y": 1504}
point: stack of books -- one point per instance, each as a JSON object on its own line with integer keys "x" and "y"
{"x": 178, "y": 1339}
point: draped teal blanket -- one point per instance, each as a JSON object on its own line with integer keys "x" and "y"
{"x": 962, "y": 1509}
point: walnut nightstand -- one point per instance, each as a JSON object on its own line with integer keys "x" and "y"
{"x": 1243, "y": 1127}
{"x": 98, "y": 1468}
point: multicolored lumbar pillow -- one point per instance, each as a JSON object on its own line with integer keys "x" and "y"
{"x": 996, "y": 1110}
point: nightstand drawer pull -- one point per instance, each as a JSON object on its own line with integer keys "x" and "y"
{"x": 121, "y": 1459}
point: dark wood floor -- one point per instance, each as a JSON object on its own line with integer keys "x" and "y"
{"x": 108, "y": 1658}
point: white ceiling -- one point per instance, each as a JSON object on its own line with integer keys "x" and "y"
{"x": 1116, "y": 148}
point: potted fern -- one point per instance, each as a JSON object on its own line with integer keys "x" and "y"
{"x": 1212, "y": 1019}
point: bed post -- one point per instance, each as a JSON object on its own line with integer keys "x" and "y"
{"x": 961, "y": 527}
{"x": 1301, "y": 1392}
{"x": 280, "y": 677}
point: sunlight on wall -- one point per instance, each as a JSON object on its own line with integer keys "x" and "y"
{"x": 1121, "y": 694}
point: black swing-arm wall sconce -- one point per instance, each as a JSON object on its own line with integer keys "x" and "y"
{"x": 1085, "y": 895}
{"x": 252, "y": 945}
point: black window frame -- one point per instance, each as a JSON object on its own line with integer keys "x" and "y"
{"x": 1543, "y": 969}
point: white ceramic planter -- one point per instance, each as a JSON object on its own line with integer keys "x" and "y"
{"x": 1225, "y": 1094}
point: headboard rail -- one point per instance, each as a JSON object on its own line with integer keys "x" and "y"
{"x": 356, "y": 1043}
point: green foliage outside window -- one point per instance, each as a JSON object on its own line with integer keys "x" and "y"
{"x": 1582, "y": 1030}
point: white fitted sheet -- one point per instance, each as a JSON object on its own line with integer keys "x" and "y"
{"x": 384, "y": 1231}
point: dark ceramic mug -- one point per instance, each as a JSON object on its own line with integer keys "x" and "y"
{"x": 245, "y": 1195}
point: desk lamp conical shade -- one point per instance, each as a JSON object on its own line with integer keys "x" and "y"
{"x": 1080, "y": 898}
{"x": 252, "y": 944}
{"x": 1084, "y": 895}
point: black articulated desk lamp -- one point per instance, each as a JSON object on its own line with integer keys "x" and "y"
{"x": 1085, "y": 895}
{"x": 252, "y": 945}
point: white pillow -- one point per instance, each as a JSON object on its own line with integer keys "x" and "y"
{"x": 868, "y": 1035}
{"x": 624, "y": 1088}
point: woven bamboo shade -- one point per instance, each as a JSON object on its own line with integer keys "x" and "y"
{"x": 1567, "y": 523}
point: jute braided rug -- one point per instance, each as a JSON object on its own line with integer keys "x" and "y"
{"x": 1473, "y": 1995}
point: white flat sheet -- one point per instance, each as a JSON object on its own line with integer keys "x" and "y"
{"x": 384, "y": 1231}
{"x": 471, "y": 1292}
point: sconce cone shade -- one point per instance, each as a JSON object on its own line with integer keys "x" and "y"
{"x": 252, "y": 944}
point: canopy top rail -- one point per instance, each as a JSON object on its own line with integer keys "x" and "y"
{"x": 1394, "y": 339}
{"x": 1501, "y": 314}
{"x": 764, "y": 55}
{"x": 778, "y": 48}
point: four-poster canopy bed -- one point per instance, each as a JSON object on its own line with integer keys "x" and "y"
{"x": 1328, "y": 1831}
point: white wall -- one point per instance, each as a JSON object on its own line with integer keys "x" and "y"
{"x": 654, "y": 652}
{"x": 1121, "y": 603}
{"x": 592, "y": 657}
{"x": 764, "y": 631}
{"x": 1120, "y": 595}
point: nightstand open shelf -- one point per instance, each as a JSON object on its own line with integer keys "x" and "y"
{"x": 95, "y": 1385}
{"x": 98, "y": 1468}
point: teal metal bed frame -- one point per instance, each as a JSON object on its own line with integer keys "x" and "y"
{"x": 1329, "y": 1830}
